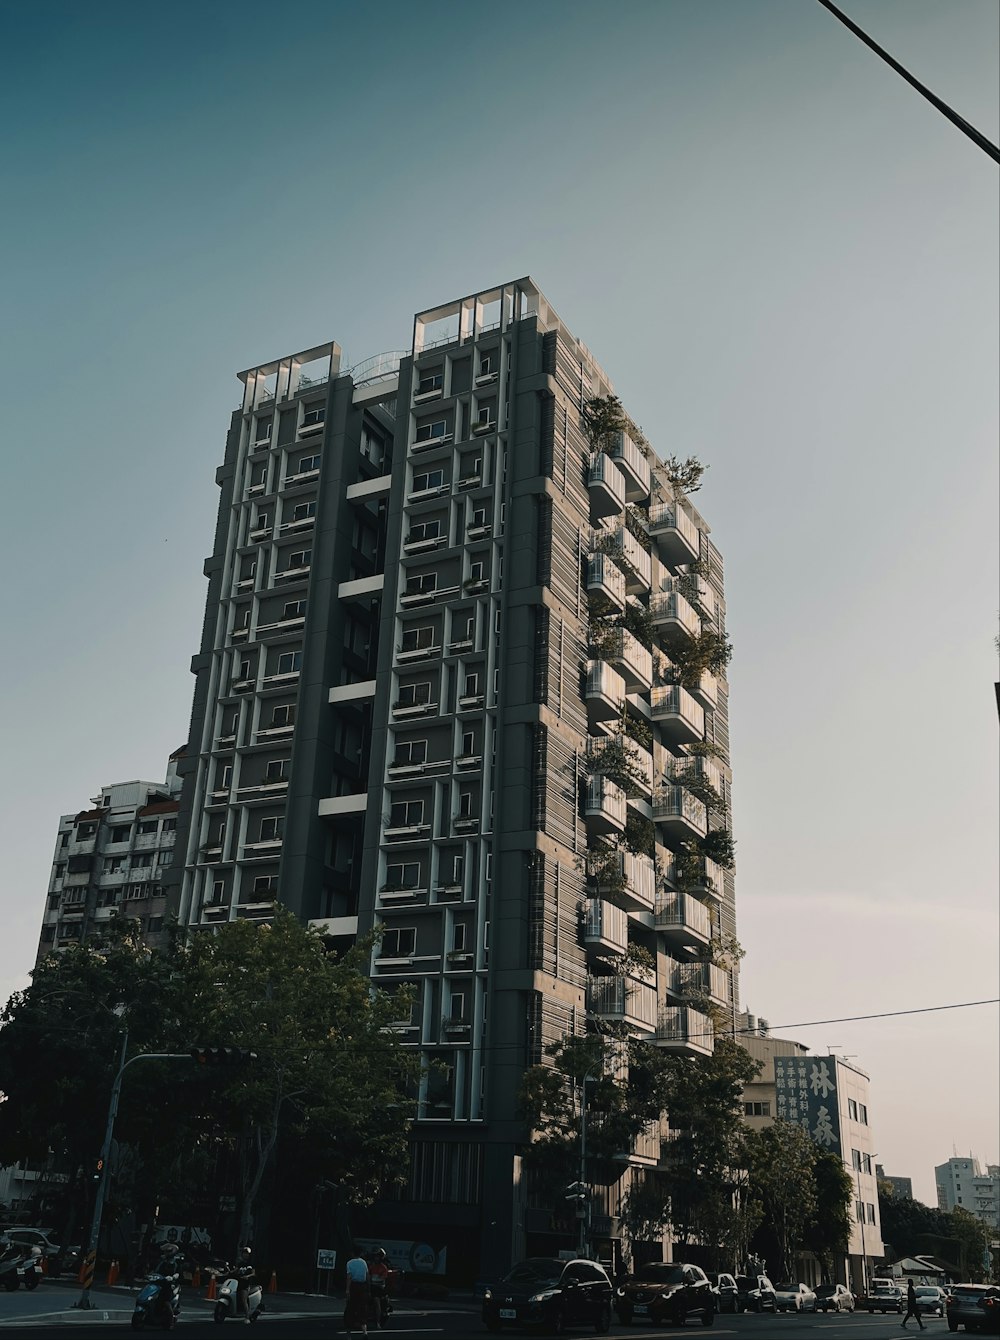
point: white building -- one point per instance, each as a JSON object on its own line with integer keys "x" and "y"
{"x": 962, "y": 1183}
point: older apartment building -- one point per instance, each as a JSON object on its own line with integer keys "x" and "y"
{"x": 444, "y": 691}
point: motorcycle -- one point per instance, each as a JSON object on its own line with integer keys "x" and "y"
{"x": 227, "y": 1304}
{"x": 11, "y": 1262}
{"x": 29, "y": 1272}
{"x": 158, "y": 1304}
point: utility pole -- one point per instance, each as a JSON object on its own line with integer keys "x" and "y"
{"x": 585, "y": 1206}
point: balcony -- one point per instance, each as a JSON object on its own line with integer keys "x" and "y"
{"x": 699, "y": 766}
{"x": 679, "y": 814}
{"x": 630, "y": 658}
{"x": 607, "y": 487}
{"x": 706, "y": 691}
{"x": 623, "y": 1000}
{"x": 622, "y": 546}
{"x": 645, "y": 1150}
{"x": 704, "y": 978}
{"x": 604, "y": 690}
{"x": 604, "y": 805}
{"x": 605, "y": 926}
{"x": 633, "y": 878}
{"x": 605, "y": 579}
{"x": 633, "y": 465}
{"x": 678, "y": 715}
{"x": 609, "y": 748}
{"x": 669, "y": 610}
{"x": 676, "y": 535}
{"x": 683, "y": 921}
{"x": 684, "y": 1031}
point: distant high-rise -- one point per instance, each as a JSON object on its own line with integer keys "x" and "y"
{"x": 961, "y": 1183}
{"x": 453, "y": 685}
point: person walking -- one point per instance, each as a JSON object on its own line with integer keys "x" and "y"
{"x": 378, "y": 1282}
{"x": 911, "y": 1306}
{"x": 356, "y": 1306}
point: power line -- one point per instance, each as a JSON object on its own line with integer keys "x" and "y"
{"x": 974, "y": 135}
{"x": 857, "y": 1018}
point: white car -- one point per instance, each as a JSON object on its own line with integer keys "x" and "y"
{"x": 795, "y": 1298}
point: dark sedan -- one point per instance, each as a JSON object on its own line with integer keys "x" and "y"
{"x": 755, "y": 1293}
{"x": 666, "y": 1294}
{"x": 544, "y": 1291}
{"x": 974, "y": 1306}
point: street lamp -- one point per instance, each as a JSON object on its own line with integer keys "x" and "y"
{"x": 585, "y": 1205}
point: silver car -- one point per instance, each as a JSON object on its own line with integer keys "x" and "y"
{"x": 795, "y": 1298}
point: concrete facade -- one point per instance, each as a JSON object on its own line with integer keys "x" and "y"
{"x": 962, "y": 1182}
{"x": 113, "y": 860}
{"x": 417, "y": 728}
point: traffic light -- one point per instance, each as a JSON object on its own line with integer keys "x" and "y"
{"x": 576, "y": 1191}
{"x": 221, "y": 1055}
{"x": 98, "y": 1169}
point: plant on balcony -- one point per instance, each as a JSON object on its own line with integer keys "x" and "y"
{"x": 692, "y": 656}
{"x": 705, "y": 749}
{"x": 616, "y": 761}
{"x": 636, "y": 960}
{"x": 637, "y": 729}
{"x": 601, "y": 636}
{"x": 638, "y": 620}
{"x": 719, "y": 846}
{"x": 604, "y": 867}
{"x": 637, "y": 523}
{"x": 688, "y": 867}
{"x": 699, "y": 786}
{"x": 685, "y": 475}
{"x": 600, "y": 418}
{"x": 689, "y": 587}
{"x": 725, "y": 951}
{"x": 639, "y": 836}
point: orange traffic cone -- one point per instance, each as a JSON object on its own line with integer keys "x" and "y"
{"x": 211, "y": 1293}
{"x": 273, "y": 1286}
{"x": 113, "y": 1270}
{"x": 45, "y": 1265}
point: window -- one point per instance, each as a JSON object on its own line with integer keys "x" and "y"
{"x": 486, "y": 365}
{"x": 465, "y": 799}
{"x": 244, "y": 670}
{"x": 757, "y": 1109}
{"x": 289, "y": 662}
{"x": 486, "y": 414}
{"x": 372, "y": 446}
{"x": 147, "y": 826}
{"x": 400, "y": 942}
{"x": 265, "y": 885}
{"x": 283, "y": 716}
{"x": 314, "y": 413}
{"x": 227, "y": 776}
{"x": 866, "y": 1163}
{"x": 115, "y": 865}
{"x": 412, "y": 695}
{"x": 472, "y": 683}
{"x": 271, "y": 829}
{"x": 859, "y": 1211}
{"x": 863, "y": 1114}
{"x": 852, "y": 1109}
{"x": 85, "y": 831}
{"x": 120, "y": 833}
{"x": 277, "y": 770}
{"x": 410, "y": 753}
{"x": 300, "y": 558}
{"x": 856, "y": 1159}
{"x": 155, "y": 924}
{"x": 403, "y": 875}
{"x": 242, "y": 619}
{"x": 302, "y": 511}
{"x": 293, "y": 609}
{"x": 425, "y": 530}
{"x": 423, "y": 584}
{"x": 307, "y": 463}
{"x": 406, "y": 814}
{"x": 433, "y": 382}
{"x": 458, "y": 937}
{"x": 264, "y": 427}
{"x": 426, "y": 432}
{"x": 430, "y": 479}
{"x": 61, "y": 869}
{"x": 871, "y": 1217}
{"x": 142, "y": 859}
{"x": 258, "y": 475}
{"x": 262, "y": 521}
{"x": 415, "y": 639}
{"x": 457, "y": 869}
{"x": 218, "y": 890}
{"x": 468, "y": 744}
{"x": 479, "y": 516}
{"x": 456, "y": 1009}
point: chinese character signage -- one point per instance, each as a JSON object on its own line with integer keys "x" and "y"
{"x": 806, "y": 1089}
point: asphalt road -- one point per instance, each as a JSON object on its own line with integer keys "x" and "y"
{"x": 45, "y": 1314}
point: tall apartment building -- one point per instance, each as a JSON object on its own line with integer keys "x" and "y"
{"x": 112, "y": 859}
{"x": 962, "y": 1182}
{"x": 433, "y": 699}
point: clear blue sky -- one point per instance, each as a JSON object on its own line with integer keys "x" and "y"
{"x": 784, "y": 258}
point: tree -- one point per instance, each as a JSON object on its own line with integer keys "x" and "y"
{"x": 685, "y": 475}
{"x": 828, "y": 1234}
{"x": 603, "y": 416}
{"x": 782, "y": 1158}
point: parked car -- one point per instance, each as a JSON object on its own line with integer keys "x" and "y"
{"x": 724, "y": 1288}
{"x": 884, "y": 1298}
{"x": 756, "y": 1293}
{"x": 974, "y": 1306}
{"x": 930, "y": 1299}
{"x": 666, "y": 1293}
{"x": 544, "y": 1291}
{"x": 794, "y": 1298}
{"x": 33, "y": 1237}
{"x": 834, "y": 1298}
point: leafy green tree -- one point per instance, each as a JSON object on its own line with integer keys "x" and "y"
{"x": 828, "y": 1234}
{"x": 782, "y": 1158}
{"x": 685, "y": 475}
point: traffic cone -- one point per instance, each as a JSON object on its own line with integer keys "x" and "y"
{"x": 273, "y": 1286}
{"x": 211, "y": 1293}
{"x": 45, "y": 1265}
{"x": 113, "y": 1270}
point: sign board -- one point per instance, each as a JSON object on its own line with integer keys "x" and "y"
{"x": 806, "y": 1091}
{"x": 418, "y": 1257}
{"x": 326, "y": 1259}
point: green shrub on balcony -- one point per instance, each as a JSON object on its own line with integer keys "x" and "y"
{"x": 700, "y": 787}
{"x": 639, "y": 836}
{"x": 637, "y": 523}
{"x": 719, "y": 846}
{"x": 637, "y": 729}
{"x": 616, "y": 761}
{"x": 604, "y": 867}
{"x": 693, "y": 656}
{"x": 685, "y": 475}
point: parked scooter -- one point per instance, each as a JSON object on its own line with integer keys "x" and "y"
{"x": 227, "y": 1304}
{"x": 29, "y": 1272}
{"x": 158, "y": 1305}
{"x": 11, "y": 1260}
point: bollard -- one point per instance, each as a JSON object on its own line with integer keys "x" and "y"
{"x": 273, "y": 1286}
{"x": 211, "y": 1292}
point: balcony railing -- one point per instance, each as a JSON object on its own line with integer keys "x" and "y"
{"x": 699, "y": 766}
{"x": 604, "y": 690}
{"x": 669, "y": 609}
{"x": 602, "y": 748}
{"x": 604, "y": 804}
{"x": 623, "y": 999}
{"x": 606, "y": 579}
{"x": 680, "y": 813}
{"x": 675, "y": 533}
{"x": 607, "y": 486}
{"x": 679, "y": 716}
{"x": 633, "y": 464}
{"x": 630, "y": 658}
{"x": 683, "y": 920}
{"x": 605, "y": 926}
{"x": 705, "y": 978}
{"x": 622, "y": 545}
{"x": 682, "y": 1029}
{"x": 706, "y": 691}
